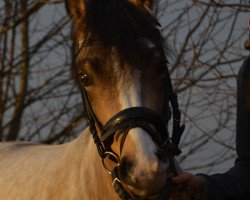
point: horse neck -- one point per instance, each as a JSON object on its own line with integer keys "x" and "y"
{"x": 95, "y": 181}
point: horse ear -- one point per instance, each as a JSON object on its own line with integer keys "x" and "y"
{"x": 148, "y": 4}
{"x": 75, "y": 8}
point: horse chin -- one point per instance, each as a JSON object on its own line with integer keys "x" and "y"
{"x": 155, "y": 196}
{"x": 143, "y": 194}
{"x": 152, "y": 193}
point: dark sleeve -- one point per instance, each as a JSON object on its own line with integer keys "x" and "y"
{"x": 243, "y": 112}
{"x": 232, "y": 185}
{"x": 235, "y": 183}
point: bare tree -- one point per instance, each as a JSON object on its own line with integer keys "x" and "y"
{"x": 37, "y": 93}
{"x": 207, "y": 38}
{"x": 39, "y": 101}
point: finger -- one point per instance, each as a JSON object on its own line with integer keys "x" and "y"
{"x": 182, "y": 178}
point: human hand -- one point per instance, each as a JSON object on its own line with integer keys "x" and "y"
{"x": 193, "y": 186}
{"x": 182, "y": 192}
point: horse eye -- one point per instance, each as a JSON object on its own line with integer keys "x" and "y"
{"x": 85, "y": 80}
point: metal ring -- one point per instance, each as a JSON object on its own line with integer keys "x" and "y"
{"x": 115, "y": 156}
{"x": 114, "y": 181}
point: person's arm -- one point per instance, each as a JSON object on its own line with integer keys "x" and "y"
{"x": 247, "y": 85}
{"x": 232, "y": 185}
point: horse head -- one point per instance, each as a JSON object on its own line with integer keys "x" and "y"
{"x": 120, "y": 65}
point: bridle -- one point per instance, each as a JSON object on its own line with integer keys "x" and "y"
{"x": 152, "y": 122}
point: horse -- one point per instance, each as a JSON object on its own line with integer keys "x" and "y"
{"x": 119, "y": 63}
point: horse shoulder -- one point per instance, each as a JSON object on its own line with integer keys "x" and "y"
{"x": 36, "y": 171}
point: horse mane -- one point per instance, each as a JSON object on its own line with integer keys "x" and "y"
{"x": 120, "y": 24}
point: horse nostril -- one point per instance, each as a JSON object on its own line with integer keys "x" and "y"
{"x": 125, "y": 169}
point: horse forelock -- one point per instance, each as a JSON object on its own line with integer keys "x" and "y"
{"x": 120, "y": 25}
